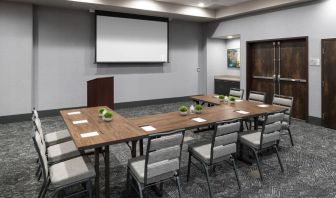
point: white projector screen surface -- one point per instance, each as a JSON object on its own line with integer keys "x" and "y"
{"x": 131, "y": 40}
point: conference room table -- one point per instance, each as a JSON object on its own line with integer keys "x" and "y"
{"x": 173, "y": 120}
{"x": 94, "y": 133}
{"x": 89, "y": 131}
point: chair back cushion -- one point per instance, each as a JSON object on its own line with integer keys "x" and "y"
{"x": 270, "y": 131}
{"x": 239, "y": 93}
{"x": 257, "y": 96}
{"x": 224, "y": 140}
{"x": 41, "y": 149}
{"x": 286, "y": 102}
{"x": 163, "y": 155}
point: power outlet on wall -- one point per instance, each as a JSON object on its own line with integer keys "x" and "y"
{"x": 198, "y": 69}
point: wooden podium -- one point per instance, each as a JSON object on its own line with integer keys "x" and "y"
{"x": 100, "y": 92}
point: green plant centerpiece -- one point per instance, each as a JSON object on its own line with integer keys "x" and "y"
{"x": 198, "y": 108}
{"x": 183, "y": 110}
{"x": 221, "y": 98}
{"x": 107, "y": 116}
{"x": 232, "y": 99}
{"x": 101, "y": 111}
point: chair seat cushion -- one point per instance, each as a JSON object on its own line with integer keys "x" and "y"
{"x": 137, "y": 168}
{"x": 203, "y": 152}
{"x": 253, "y": 139}
{"x": 61, "y": 152}
{"x": 71, "y": 171}
{"x": 57, "y": 137}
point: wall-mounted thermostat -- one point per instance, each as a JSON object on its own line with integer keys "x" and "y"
{"x": 314, "y": 62}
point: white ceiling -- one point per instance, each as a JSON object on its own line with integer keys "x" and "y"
{"x": 214, "y": 4}
{"x": 174, "y": 9}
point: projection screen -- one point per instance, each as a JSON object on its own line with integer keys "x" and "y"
{"x": 125, "y": 38}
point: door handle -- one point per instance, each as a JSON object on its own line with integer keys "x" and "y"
{"x": 264, "y": 77}
{"x": 293, "y": 80}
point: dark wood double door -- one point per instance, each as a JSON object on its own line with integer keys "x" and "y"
{"x": 280, "y": 67}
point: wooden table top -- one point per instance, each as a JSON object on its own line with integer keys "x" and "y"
{"x": 173, "y": 120}
{"x": 211, "y": 99}
{"x": 116, "y": 131}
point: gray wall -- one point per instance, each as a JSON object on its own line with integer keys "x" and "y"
{"x": 65, "y": 45}
{"x": 46, "y": 64}
{"x": 216, "y": 53}
{"x": 16, "y": 47}
{"x": 315, "y": 20}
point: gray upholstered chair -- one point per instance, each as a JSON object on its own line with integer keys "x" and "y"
{"x": 267, "y": 138}
{"x": 57, "y": 152}
{"x": 51, "y": 138}
{"x": 255, "y": 96}
{"x": 238, "y": 93}
{"x": 219, "y": 150}
{"x": 64, "y": 174}
{"x": 287, "y": 102}
{"x": 161, "y": 162}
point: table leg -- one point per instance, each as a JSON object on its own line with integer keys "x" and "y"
{"x": 107, "y": 171}
{"x": 141, "y": 147}
{"x": 96, "y": 151}
{"x": 133, "y": 151}
{"x": 255, "y": 123}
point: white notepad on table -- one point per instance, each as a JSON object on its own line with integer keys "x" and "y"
{"x": 198, "y": 120}
{"x": 89, "y": 134}
{"x": 80, "y": 122}
{"x": 263, "y": 105}
{"x": 148, "y": 128}
{"x": 242, "y": 112}
{"x": 74, "y": 113}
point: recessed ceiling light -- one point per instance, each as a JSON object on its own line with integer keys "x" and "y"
{"x": 229, "y": 37}
{"x": 201, "y": 4}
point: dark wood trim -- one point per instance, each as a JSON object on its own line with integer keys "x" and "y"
{"x": 322, "y": 79}
{"x": 277, "y": 39}
{"x": 307, "y": 76}
{"x": 130, "y": 16}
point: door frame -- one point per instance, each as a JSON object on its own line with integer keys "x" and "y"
{"x": 248, "y": 66}
{"x": 322, "y": 68}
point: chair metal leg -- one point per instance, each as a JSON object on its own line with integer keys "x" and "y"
{"x": 89, "y": 188}
{"x": 236, "y": 173}
{"x": 290, "y": 135}
{"x": 140, "y": 189}
{"x": 38, "y": 170}
{"x": 258, "y": 164}
{"x": 127, "y": 180}
{"x": 277, "y": 152}
{"x": 39, "y": 176}
{"x": 178, "y": 186}
{"x": 161, "y": 189}
{"x": 45, "y": 189}
{"x": 207, "y": 177}
{"x": 189, "y": 163}
{"x": 42, "y": 189}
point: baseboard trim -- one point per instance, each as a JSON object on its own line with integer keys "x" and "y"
{"x": 315, "y": 120}
{"x": 151, "y": 102}
{"x": 56, "y": 112}
{"x": 15, "y": 118}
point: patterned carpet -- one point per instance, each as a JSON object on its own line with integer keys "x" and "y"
{"x": 310, "y": 169}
